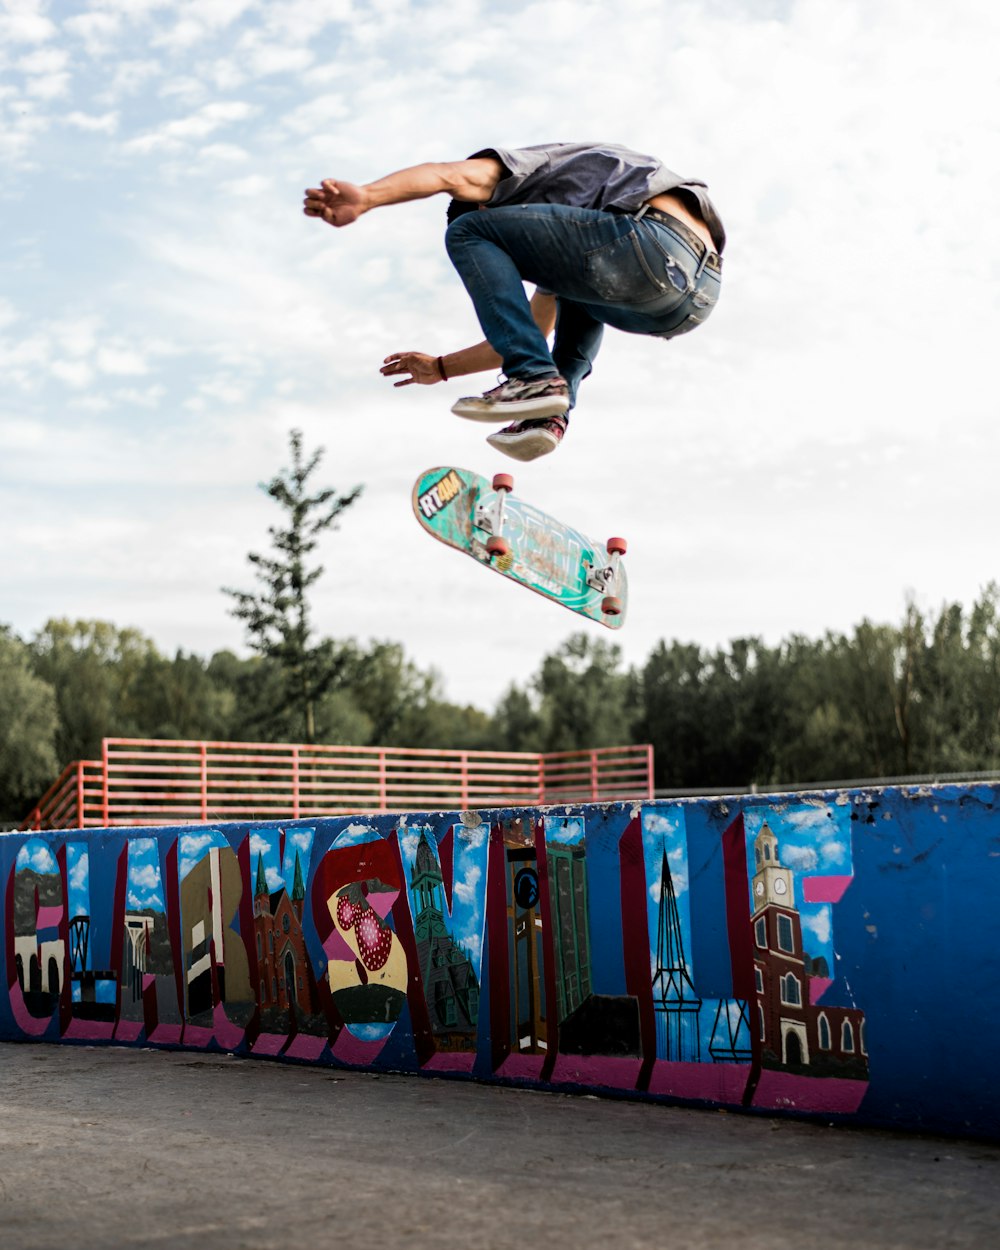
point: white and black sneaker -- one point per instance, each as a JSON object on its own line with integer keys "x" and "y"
{"x": 527, "y": 440}
{"x": 532, "y": 397}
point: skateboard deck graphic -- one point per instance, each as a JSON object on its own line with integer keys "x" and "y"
{"x": 462, "y": 509}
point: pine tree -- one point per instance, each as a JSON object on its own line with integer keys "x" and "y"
{"x": 277, "y": 616}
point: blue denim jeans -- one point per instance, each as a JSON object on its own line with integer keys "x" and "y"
{"x": 605, "y": 268}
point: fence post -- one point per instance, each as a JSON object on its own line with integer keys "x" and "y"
{"x": 105, "y": 803}
{"x": 595, "y": 792}
{"x": 203, "y": 752}
{"x": 80, "y": 818}
{"x": 650, "y": 790}
{"x": 295, "y": 783}
{"x": 383, "y": 797}
{"x": 540, "y": 765}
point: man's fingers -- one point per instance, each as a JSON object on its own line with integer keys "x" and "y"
{"x": 405, "y": 382}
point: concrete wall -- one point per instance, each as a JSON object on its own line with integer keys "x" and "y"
{"x": 826, "y": 954}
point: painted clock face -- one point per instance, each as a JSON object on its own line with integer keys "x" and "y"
{"x": 779, "y": 886}
{"x": 759, "y": 889}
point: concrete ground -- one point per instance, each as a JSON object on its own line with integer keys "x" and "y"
{"x": 109, "y": 1148}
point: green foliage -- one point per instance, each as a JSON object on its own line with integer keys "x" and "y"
{"x": 582, "y": 696}
{"x": 920, "y": 697}
{"x": 29, "y": 723}
{"x": 277, "y": 616}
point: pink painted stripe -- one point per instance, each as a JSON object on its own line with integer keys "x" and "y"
{"x": 704, "y": 1082}
{"x": 818, "y": 987}
{"x": 89, "y": 1030}
{"x": 168, "y": 1034}
{"x": 269, "y": 1044}
{"x": 824, "y": 889}
{"x": 462, "y": 1061}
{"x": 783, "y": 1091}
{"x": 128, "y": 1030}
{"x": 48, "y": 917}
{"x": 25, "y": 1021}
{"x": 522, "y": 1067}
{"x": 350, "y": 1049}
{"x": 609, "y": 1071}
{"x": 305, "y": 1046}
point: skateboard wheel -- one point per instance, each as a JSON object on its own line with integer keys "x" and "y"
{"x": 503, "y": 481}
{"x": 611, "y": 605}
{"x": 497, "y": 546}
{"x": 617, "y": 544}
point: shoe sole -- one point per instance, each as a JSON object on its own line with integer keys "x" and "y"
{"x": 527, "y": 447}
{"x": 477, "y": 409}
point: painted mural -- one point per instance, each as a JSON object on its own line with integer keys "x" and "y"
{"x": 817, "y": 954}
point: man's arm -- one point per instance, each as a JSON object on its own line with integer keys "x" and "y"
{"x": 426, "y": 370}
{"x": 340, "y": 203}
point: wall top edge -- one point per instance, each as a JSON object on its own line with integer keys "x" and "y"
{"x": 987, "y": 792}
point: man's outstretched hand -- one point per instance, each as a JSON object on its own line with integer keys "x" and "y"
{"x": 338, "y": 203}
{"x": 423, "y": 369}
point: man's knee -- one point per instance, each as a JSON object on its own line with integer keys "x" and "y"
{"x": 459, "y": 230}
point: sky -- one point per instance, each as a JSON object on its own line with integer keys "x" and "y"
{"x": 823, "y": 447}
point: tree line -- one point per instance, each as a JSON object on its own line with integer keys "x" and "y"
{"x": 918, "y": 697}
{"x": 921, "y": 696}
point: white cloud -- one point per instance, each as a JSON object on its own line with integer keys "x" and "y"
{"x": 655, "y": 822}
{"x": 173, "y": 135}
{"x": 79, "y": 876}
{"x": 466, "y": 890}
{"x": 36, "y": 855}
{"x": 301, "y": 839}
{"x": 97, "y": 31}
{"x": 24, "y": 22}
{"x": 834, "y": 852}
{"x": 809, "y": 817}
{"x": 145, "y": 876}
{"x": 801, "y": 858}
{"x": 567, "y": 831}
{"x": 819, "y": 924}
{"x": 103, "y": 123}
{"x": 354, "y": 834}
{"x": 259, "y": 846}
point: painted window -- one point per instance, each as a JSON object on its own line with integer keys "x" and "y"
{"x": 861, "y": 1036}
{"x": 760, "y": 1016}
{"x": 791, "y": 991}
{"x": 824, "y": 1032}
{"x": 758, "y": 977}
{"x": 847, "y": 1038}
{"x": 760, "y": 930}
{"x": 260, "y": 949}
{"x": 786, "y": 941}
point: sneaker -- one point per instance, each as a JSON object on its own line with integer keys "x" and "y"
{"x": 527, "y": 440}
{"x": 533, "y": 397}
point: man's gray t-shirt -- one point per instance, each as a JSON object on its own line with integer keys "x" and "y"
{"x": 593, "y": 175}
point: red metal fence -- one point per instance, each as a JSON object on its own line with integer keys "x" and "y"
{"x": 159, "y": 781}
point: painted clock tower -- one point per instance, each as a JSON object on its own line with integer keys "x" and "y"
{"x": 772, "y": 884}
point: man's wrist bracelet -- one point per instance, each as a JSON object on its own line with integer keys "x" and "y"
{"x": 444, "y": 376}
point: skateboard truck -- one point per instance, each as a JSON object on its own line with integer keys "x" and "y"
{"x": 606, "y": 577}
{"x": 490, "y": 518}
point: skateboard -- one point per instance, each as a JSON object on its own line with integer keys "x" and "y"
{"x": 486, "y": 521}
